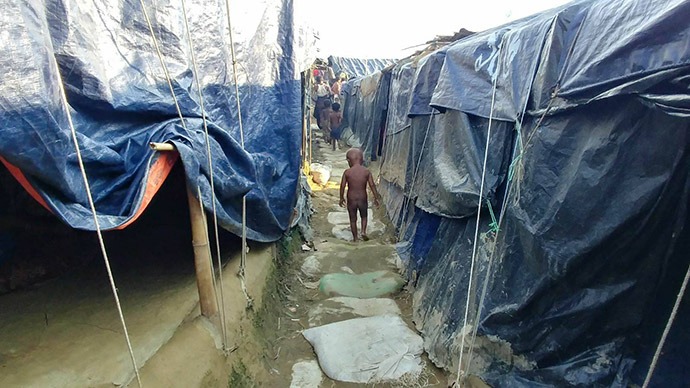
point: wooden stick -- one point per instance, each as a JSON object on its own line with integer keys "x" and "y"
{"x": 162, "y": 146}
{"x": 202, "y": 257}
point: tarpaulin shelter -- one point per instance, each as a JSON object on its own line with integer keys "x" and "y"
{"x": 358, "y": 67}
{"x": 117, "y": 76}
{"x": 364, "y": 111}
{"x": 583, "y": 189}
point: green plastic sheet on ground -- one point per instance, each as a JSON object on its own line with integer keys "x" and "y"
{"x": 366, "y": 285}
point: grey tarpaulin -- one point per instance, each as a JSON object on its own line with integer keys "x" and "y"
{"x": 591, "y": 138}
{"x": 358, "y": 67}
{"x": 366, "y": 104}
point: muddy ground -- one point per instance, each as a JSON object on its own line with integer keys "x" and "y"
{"x": 293, "y": 293}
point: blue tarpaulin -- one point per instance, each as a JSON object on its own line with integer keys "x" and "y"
{"x": 119, "y": 101}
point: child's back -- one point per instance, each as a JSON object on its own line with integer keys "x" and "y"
{"x": 336, "y": 118}
{"x": 356, "y": 178}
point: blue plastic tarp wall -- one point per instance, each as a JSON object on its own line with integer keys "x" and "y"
{"x": 592, "y": 105}
{"x": 119, "y": 101}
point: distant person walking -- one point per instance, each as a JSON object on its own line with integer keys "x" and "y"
{"x": 321, "y": 94}
{"x": 336, "y": 88}
{"x": 336, "y": 123}
{"x": 325, "y": 120}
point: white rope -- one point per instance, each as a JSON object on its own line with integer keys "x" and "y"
{"x": 506, "y": 195}
{"x": 489, "y": 266}
{"x": 243, "y": 256}
{"x": 476, "y": 234}
{"x": 104, "y": 252}
{"x": 234, "y": 74}
{"x": 509, "y": 189}
{"x": 407, "y": 200}
{"x": 667, "y": 329}
{"x": 213, "y": 192}
{"x": 162, "y": 61}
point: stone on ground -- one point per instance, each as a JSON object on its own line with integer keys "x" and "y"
{"x": 333, "y": 256}
{"x": 311, "y": 266}
{"x": 341, "y": 308}
{"x": 375, "y": 229}
{"x": 341, "y": 228}
{"x": 306, "y": 374}
{"x": 342, "y": 218}
{"x": 366, "y": 285}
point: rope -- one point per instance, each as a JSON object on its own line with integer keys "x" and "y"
{"x": 213, "y": 191}
{"x": 104, "y": 252}
{"x": 476, "y": 230}
{"x": 519, "y": 146}
{"x": 407, "y": 200}
{"x": 493, "y": 226}
{"x": 509, "y": 190}
{"x": 667, "y": 329}
{"x": 165, "y": 67}
{"x": 243, "y": 257}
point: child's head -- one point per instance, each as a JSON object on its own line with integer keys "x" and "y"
{"x": 317, "y": 79}
{"x": 354, "y": 156}
{"x": 335, "y": 107}
{"x": 327, "y": 103}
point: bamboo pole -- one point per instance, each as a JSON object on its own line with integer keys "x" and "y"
{"x": 200, "y": 242}
{"x": 162, "y": 146}
{"x": 202, "y": 257}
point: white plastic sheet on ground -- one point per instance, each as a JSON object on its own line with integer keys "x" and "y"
{"x": 367, "y": 350}
{"x": 320, "y": 173}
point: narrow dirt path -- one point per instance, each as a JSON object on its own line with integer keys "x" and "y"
{"x": 337, "y": 281}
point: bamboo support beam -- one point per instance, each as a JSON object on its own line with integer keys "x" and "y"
{"x": 200, "y": 242}
{"x": 202, "y": 257}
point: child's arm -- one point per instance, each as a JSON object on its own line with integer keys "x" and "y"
{"x": 343, "y": 182}
{"x": 372, "y": 185}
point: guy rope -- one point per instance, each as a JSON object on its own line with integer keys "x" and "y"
{"x": 470, "y": 285}
{"x": 104, "y": 252}
{"x": 243, "y": 257}
{"x": 196, "y": 77}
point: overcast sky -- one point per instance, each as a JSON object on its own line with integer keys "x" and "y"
{"x": 384, "y": 28}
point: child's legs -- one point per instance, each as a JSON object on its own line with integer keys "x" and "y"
{"x": 363, "y": 213}
{"x": 352, "y": 213}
